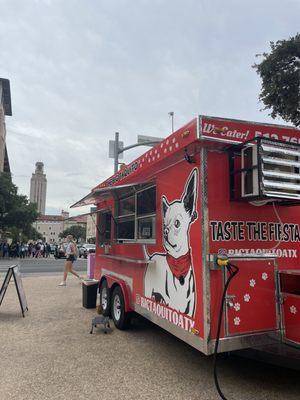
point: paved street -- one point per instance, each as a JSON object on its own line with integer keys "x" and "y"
{"x": 43, "y": 265}
{"x": 50, "y": 354}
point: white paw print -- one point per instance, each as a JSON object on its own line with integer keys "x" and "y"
{"x": 293, "y": 310}
{"x": 252, "y": 282}
{"x": 247, "y": 297}
{"x": 264, "y": 276}
{"x": 237, "y": 321}
{"x": 237, "y": 306}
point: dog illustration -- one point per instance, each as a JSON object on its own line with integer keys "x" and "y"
{"x": 171, "y": 279}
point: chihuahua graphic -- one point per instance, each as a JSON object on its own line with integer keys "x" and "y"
{"x": 170, "y": 280}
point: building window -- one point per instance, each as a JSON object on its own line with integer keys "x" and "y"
{"x": 135, "y": 217}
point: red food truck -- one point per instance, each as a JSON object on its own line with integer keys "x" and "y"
{"x": 215, "y": 202}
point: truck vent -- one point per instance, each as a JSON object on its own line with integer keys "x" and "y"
{"x": 265, "y": 169}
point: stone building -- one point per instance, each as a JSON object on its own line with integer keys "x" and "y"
{"x": 50, "y": 226}
{"x": 91, "y": 224}
{"x": 38, "y": 187}
{"x": 5, "y": 109}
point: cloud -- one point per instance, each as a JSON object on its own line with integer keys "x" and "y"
{"x": 80, "y": 71}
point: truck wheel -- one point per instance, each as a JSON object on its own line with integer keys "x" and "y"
{"x": 120, "y": 317}
{"x": 105, "y": 298}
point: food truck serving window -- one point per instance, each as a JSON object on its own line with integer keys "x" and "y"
{"x": 104, "y": 227}
{"x": 135, "y": 217}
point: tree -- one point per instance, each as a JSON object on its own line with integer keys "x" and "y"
{"x": 16, "y": 212}
{"x": 77, "y": 231}
{"x": 18, "y": 235}
{"x": 280, "y": 74}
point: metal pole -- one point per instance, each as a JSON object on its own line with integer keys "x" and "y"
{"x": 116, "y": 159}
{"x": 171, "y": 113}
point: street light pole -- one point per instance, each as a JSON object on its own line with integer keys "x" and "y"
{"x": 116, "y": 154}
{"x": 171, "y": 114}
{"x": 116, "y": 147}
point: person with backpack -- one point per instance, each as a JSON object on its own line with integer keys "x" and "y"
{"x": 71, "y": 254}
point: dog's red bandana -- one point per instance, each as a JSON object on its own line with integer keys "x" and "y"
{"x": 179, "y": 266}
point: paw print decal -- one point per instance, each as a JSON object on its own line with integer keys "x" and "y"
{"x": 252, "y": 282}
{"x": 247, "y": 297}
{"x": 237, "y": 306}
{"x": 237, "y": 321}
{"x": 264, "y": 276}
{"x": 293, "y": 310}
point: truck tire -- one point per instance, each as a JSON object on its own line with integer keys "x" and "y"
{"x": 120, "y": 317}
{"x": 105, "y": 298}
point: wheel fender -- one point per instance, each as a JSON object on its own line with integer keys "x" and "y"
{"x": 113, "y": 281}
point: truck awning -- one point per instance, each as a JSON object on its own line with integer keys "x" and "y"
{"x": 102, "y": 193}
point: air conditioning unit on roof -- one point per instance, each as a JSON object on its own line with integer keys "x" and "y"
{"x": 268, "y": 169}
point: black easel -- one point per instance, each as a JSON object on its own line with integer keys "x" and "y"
{"x": 14, "y": 271}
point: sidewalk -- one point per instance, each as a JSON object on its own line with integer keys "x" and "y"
{"x": 49, "y": 353}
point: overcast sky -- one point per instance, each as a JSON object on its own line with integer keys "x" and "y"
{"x": 81, "y": 70}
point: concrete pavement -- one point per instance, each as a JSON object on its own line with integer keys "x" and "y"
{"x": 42, "y": 265}
{"x": 50, "y": 354}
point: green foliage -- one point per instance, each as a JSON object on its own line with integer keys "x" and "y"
{"x": 16, "y": 212}
{"x": 77, "y": 231}
{"x": 23, "y": 236}
{"x": 280, "y": 74}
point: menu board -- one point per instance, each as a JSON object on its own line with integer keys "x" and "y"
{"x": 16, "y": 273}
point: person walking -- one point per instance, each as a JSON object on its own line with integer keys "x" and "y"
{"x": 37, "y": 250}
{"x": 71, "y": 254}
{"x": 22, "y": 250}
{"x": 6, "y": 250}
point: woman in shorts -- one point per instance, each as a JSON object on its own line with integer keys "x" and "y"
{"x": 71, "y": 253}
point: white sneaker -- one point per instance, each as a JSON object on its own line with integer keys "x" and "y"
{"x": 63, "y": 283}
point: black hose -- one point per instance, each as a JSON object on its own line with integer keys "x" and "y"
{"x": 232, "y": 273}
